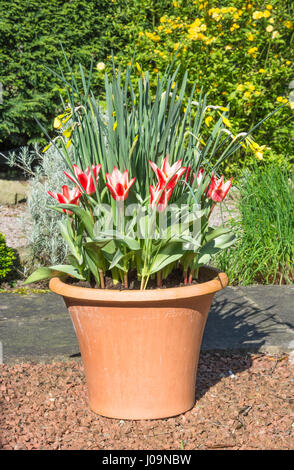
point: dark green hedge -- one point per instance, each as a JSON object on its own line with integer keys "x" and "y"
{"x": 31, "y": 32}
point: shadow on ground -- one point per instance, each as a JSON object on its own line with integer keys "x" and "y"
{"x": 235, "y": 328}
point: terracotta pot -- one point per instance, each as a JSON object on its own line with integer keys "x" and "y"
{"x": 140, "y": 349}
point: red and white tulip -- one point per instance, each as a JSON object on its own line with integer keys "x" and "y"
{"x": 118, "y": 184}
{"x": 159, "y": 197}
{"x": 218, "y": 189}
{"x": 167, "y": 175}
{"x": 85, "y": 179}
{"x": 67, "y": 197}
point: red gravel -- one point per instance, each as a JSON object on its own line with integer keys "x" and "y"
{"x": 243, "y": 402}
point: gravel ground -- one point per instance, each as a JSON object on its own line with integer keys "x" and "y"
{"x": 243, "y": 402}
{"x": 13, "y": 219}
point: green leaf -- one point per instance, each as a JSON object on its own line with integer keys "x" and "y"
{"x": 68, "y": 237}
{"x": 83, "y": 215}
{"x": 46, "y": 273}
{"x": 67, "y": 269}
{"x": 39, "y": 275}
{"x": 170, "y": 253}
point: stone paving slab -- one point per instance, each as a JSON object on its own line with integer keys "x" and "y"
{"x": 37, "y": 327}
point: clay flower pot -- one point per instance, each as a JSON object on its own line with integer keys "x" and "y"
{"x": 140, "y": 349}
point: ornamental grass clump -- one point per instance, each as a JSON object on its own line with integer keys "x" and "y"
{"x": 142, "y": 182}
{"x": 264, "y": 249}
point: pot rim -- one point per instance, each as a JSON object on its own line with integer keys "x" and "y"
{"x": 219, "y": 282}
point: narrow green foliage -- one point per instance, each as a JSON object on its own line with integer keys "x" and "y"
{"x": 264, "y": 251}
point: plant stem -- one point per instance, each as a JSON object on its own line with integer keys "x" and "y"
{"x": 126, "y": 284}
{"x": 102, "y": 283}
{"x": 142, "y": 286}
{"x": 212, "y": 207}
{"x": 186, "y": 277}
{"x": 159, "y": 279}
{"x": 191, "y": 276}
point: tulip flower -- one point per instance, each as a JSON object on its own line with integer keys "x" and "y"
{"x": 67, "y": 197}
{"x": 159, "y": 197}
{"x": 85, "y": 179}
{"x": 200, "y": 176}
{"x": 167, "y": 175}
{"x": 118, "y": 184}
{"x": 218, "y": 189}
{"x": 188, "y": 174}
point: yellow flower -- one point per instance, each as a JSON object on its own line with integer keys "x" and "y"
{"x": 100, "y": 66}
{"x": 223, "y": 108}
{"x": 201, "y": 36}
{"x": 247, "y": 94}
{"x": 275, "y": 34}
{"x": 261, "y": 71}
{"x": 266, "y": 14}
{"x": 252, "y": 51}
{"x": 269, "y": 7}
{"x": 280, "y": 99}
{"x": 57, "y": 123}
{"x": 288, "y": 24}
{"x": 259, "y": 155}
{"x": 114, "y": 125}
{"x": 234, "y": 26}
{"x": 269, "y": 28}
{"x": 68, "y": 143}
{"x": 155, "y": 70}
{"x": 288, "y": 62}
{"x": 240, "y": 87}
{"x": 257, "y": 15}
{"x": 271, "y": 21}
{"x": 46, "y": 148}
{"x": 153, "y": 36}
{"x": 250, "y": 37}
{"x": 67, "y": 133}
{"x": 251, "y": 87}
{"x": 208, "y": 120}
{"x": 226, "y": 122}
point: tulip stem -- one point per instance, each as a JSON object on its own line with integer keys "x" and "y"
{"x": 211, "y": 209}
{"x": 191, "y": 276}
{"x": 126, "y": 284}
{"x": 186, "y": 277}
{"x": 159, "y": 279}
{"x": 101, "y": 279}
{"x": 142, "y": 287}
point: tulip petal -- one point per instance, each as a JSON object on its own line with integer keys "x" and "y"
{"x": 112, "y": 191}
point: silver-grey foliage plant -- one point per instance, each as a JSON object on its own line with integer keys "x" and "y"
{"x": 45, "y": 171}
